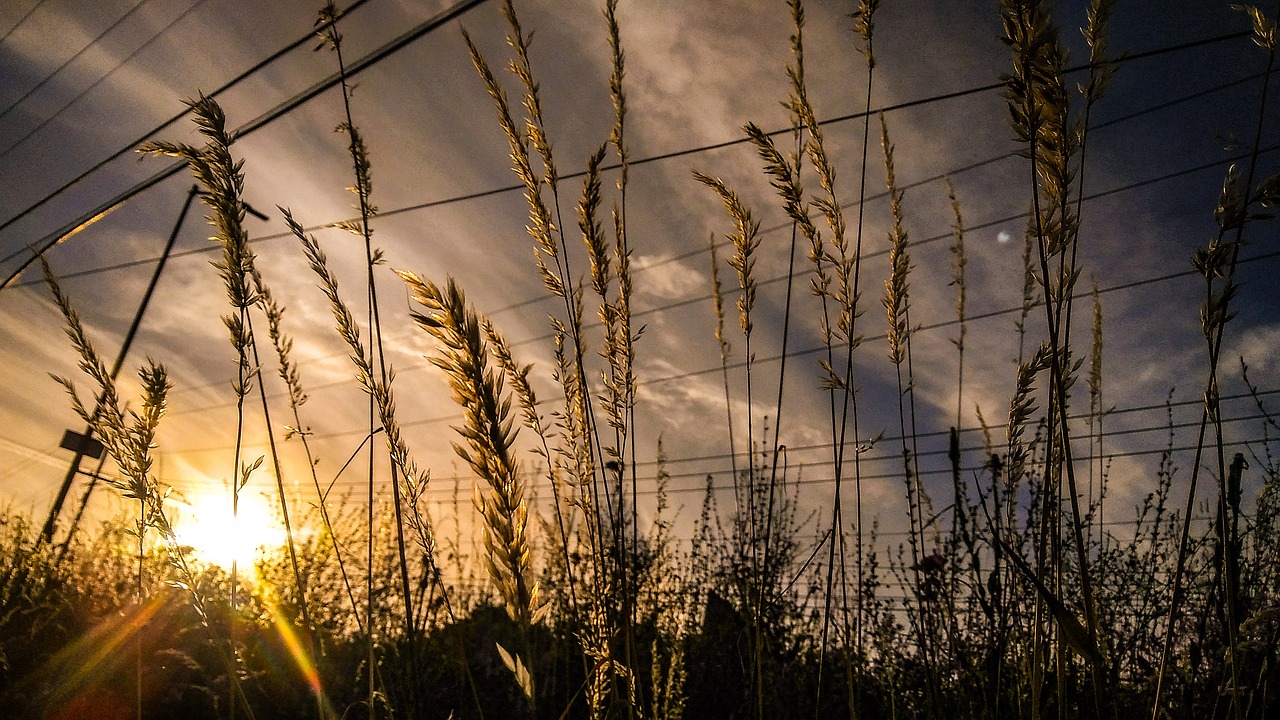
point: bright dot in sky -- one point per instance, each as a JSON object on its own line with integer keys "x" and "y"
{"x": 1003, "y": 237}
{"x": 219, "y": 537}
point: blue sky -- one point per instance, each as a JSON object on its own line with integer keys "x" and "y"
{"x": 696, "y": 73}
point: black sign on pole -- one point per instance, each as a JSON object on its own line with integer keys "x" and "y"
{"x": 85, "y": 445}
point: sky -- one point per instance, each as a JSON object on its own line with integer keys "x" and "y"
{"x": 80, "y": 81}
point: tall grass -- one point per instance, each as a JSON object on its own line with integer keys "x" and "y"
{"x": 1026, "y": 605}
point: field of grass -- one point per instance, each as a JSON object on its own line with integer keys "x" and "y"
{"x": 904, "y": 522}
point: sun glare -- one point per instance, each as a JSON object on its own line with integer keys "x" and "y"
{"x": 218, "y": 536}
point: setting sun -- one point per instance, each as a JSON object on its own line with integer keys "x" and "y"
{"x": 219, "y": 536}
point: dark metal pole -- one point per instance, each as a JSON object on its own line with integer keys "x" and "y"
{"x": 46, "y": 534}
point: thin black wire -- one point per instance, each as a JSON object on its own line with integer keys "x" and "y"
{"x": 933, "y": 326}
{"x": 64, "y": 65}
{"x": 129, "y": 147}
{"x": 45, "y": 123}
{"x": 288, "y": 106}
{"x": 858, "y": 115}
{"x": 768, "y": 281}
{"x": 22, "y": 20}
{"x": 809, "y": 351}
{"x": 702, "y": 298}
{"x": 682, "y": 256}
{"x": 719, "y": 471}
{"x": 827, "y": 446}
{"x": 399, "y": 43}
{"x": 995, "y": 313}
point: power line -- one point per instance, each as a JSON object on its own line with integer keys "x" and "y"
{"x": 1170, "y": 448}
{"x": 801, "y": 273}
{"x": 249, "y": 128}
{"x": 919, "y": 102}
{"x": 1137, "y": 283}
{"x": 128, "y": 148}
{"x": 64, "y": 65}
{"x": 45, "y": 123}
{"x": 1168, "y": 425}
{"x": 683, "y": 256}
{"x": 776, "y": 228}
{"x": 461, "y": 8}
{"x": 22, "y": 20}
{"x": 29, "y": 455}
{"x": 1003, "y": 220}
{"x": 769, "y": 359}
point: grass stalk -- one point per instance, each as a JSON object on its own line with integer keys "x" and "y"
{"x": 746, "y": 241}
{"x": 363, "y": 188}
{"x": 380, "y": 389}
{"x": 289, "y": 374}
{"x": 897, "y": 303}
{"x": 215, "y": 169}
{"x": 489, "y": 437}
{"x": 1218, "y": 261}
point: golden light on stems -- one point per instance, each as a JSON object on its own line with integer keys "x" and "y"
{"x": 488, "y": 434}
{"x": 745, "y": 240}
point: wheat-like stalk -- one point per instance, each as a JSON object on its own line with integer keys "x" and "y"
{"x": 959, "y": 264}
{"x": 580, "y": 450}
{"x": 414, "y": 481}
{"x": 746, "y": 241}
{"x": 897, "y": 303}
{"x": 518, "y": 376}
{"x": 360, "y": 226}
{"x": 844, "y": 291}
{"x": 717, "y": 296}
{"x": 1097, "y": 411}
{"x": 223, "y": 179}
{"x": 128, "y": 436}
{"x": 292, "y": 378}
{"x": 896, "y": 289}
{"x": 489, "y": 440}
{"x": 1217, "y": 264}
{"x": 541, "y": 228}
{"x": 1022, "y": 407}
{"x": 489, "y": 437}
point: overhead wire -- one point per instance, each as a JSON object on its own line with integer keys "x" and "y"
{"x": 780, "y": 227}
{"x": 207, "y": 407}
{"x": 890, "y": 457}
{"x": 839, "y": 119}
{"x": 1169, "y": 406}
{"x": 460, "y": 8}
{"x": 30, "y": 456}
{"x": 809, "y": 351}
{"x": 938, "y": 177}
{"x": 22, "y": 20}
{"x": 96, "y": 83}
{"x": 257, "y": 67}
{"x": 49, "y": 78}
{"x": 263, "y": 120}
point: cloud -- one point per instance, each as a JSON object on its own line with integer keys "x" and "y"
{"x": 668, "y": 280}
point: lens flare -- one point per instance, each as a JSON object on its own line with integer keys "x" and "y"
{"x": 81, "y": 670}
{"x": 301, "y": 656}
